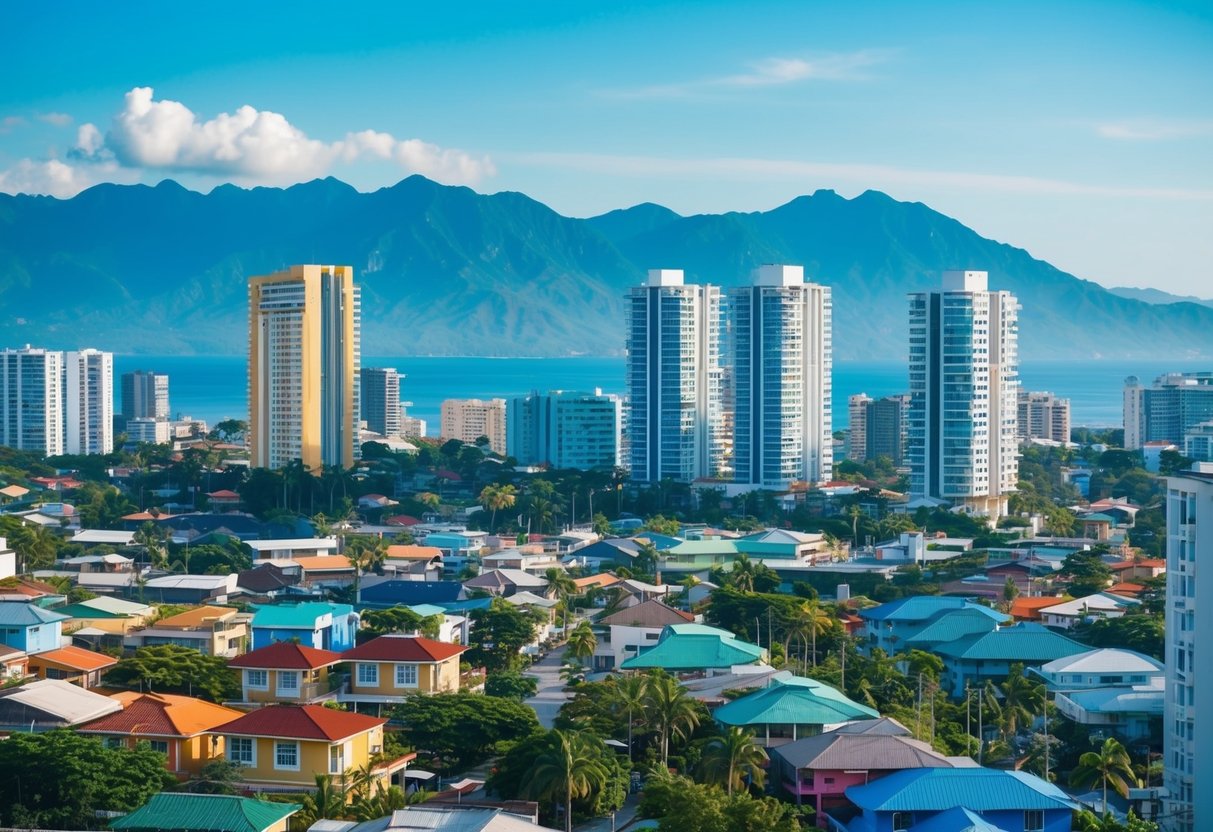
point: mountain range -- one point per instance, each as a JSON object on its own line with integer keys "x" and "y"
{"x": 448, "y": 271}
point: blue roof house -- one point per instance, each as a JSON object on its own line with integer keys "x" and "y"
{"x": 394, "y": 593}
{"x": 890, "y": 625}
{"x": 975, "y": 658}
{"x": 317, "y": 624}
{"x": 30, "y": 628}
{"x": 958, "y": 800}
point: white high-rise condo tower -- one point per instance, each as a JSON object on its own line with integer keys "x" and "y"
{"x": 88, "y": 402}
{"x": 782, "y": 377}
{"x": 675, "y": 421}
{"x": 31, "y": 400}
{"x": 964, "y": 386}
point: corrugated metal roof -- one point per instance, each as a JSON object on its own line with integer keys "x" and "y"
{"x": 651, "y": 613}
{"x": 867, "y": 752}
{"x": 1026, "y": 642}
{"x": 695, "y": 647}
{"x": 206, "y": 813}
{"x": 958, "y": 819}
{"x": 915, "y": 608}
{"x": 793, "y": 701}
{"x": 27, "y": 615}
{"x": 953, "y": 625}
{"x": 297, "y": 615}
{"x": 978, "y": 789}
{"x": 68, "y": 702}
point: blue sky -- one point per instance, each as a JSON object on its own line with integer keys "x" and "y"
{"x": 1082, "y": 132}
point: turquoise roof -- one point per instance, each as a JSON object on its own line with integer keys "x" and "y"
{"x": 695, "y": 647}
{"x": 84, "y": 611}
{"x": 914, "y": 608}
{"x": 957, "y": 819}
{"x": 205, "y": 813}
{"x": 466, "y": 606}
{"x": 14, "y": 614}
{"x": 298, "y": 616}
{"x": 1097, "y": 518}
{"x": 793, "y": 701}
{"x": 661, "y": 542}
{"x": 955, "y": 624}
{"x": 977, "y": 789}
{"x": 1025, "y": 642}
{"x": 427, "y": 610}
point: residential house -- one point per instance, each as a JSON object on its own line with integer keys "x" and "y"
{"x": 630, "y": 592}
{"x": 212, "y": 631}
{"x": 269, "y": 580}
{"x": 284, "y": 747}
{"x": 50, "y": 703}
{"x": 191, "y": 589}
{"x": 952, "y": 799}
{"x": 386, "y": 592}
{"x": 1140, "y": 569}
{"x": 457, "y": 545}
{"x": 973, "y": 659}
{"x": 1112, "y": 689}
{"x": 632, "y": 629}
{"x": 210, "y": 812}
{"x": 293, "y": 547}
{"x": 1096, "y": 526}
{"x": 525, "y": 558}
{"x": 176, "y": 726}
{"x": 1028, "y": 609}
{"x": 1066, "y": 614}
{"x": 385, "y": 669}
{"x": 791, "y": 707}
{"x": 433, "y": 817}
{"x": 819, "y": 769}
{"x": 286, "y": 671}
{"x": 506, "y": 582}
{"x": 890, "y": 625}
{"x": 112, "y": 616}
{"x": 223, "y": 499}
{"x": 319, "y": 624}
{"x": 333, "y": 571}
{"x": 14, "y": 664}
{"x": 104, "y": 537}
{"x": 696, "y": 648}
{"x": 30, "y": 628}
{"x": 955, "y": 624}
{"x": 613, "y": 551}
{"x": 408, "y": 558}
{"x": 71, "y": 664}
{"x": 601, "y": 580}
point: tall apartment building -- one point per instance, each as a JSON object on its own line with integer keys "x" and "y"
{"x": 964, "y": 386}
{"x": 144, "y": 395}
{"x": 469, "y": 419}
{"x": 857, "y": 427}
{"x": 1198, "y": 442}
{"x": 878, "y": 427}
{"x": 1187, "y": 754}
{"x": 88, "y": 402}
{"x": 1165, "y": 411}
{"x": 1043, "y": 416}
{"x": 304, "y": 353}
{"x": 380, "y": 390}
{"x": 676, "y": 426}
{"x": 566, "y": 430}
{"x": 782, "y": 365}
{"x": 31, "y": 400}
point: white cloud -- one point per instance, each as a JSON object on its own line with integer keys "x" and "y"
{"x": 9, "y": 123}
{"x": 89, "y": 141}
{"x": 56, "y": 119}
{"x": 1154, "y": 129}
{"x": 54, "y": 177}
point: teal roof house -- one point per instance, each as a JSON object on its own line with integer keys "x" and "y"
{"x": 691, "y": 648}
{"x": 790, "y": 708}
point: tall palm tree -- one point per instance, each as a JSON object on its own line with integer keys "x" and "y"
{"x": 571, "y": 768}
{"x": 1022, "y": 700}
{"x": 497, "y": 497}
{"x": 1111, "y": 764}
{"x": 582, "y": 642}
{"x": 854, "y": 512}
{"x": 806, "y": 623}
{"x": 670, "y": 710}
{"x": 630, "y": 695}
{"x": 366, "y": 554}
{"x": 563, "y": 586}
{"x": 742, "y": 575}
{"x": 733, "y": 756}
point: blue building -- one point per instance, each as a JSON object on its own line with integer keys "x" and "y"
{"x": 565, "y": 429}
{"x": 317, "y": 624}
{"x": 889, "y": 626}
{"x": 395, "y": 593}
{"x": 975, "y": 658}
{"x": 30, "y": 628}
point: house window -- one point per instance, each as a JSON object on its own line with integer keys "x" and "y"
{"x": 242, "y": 751}
{"x": 406, "y": 675}
{"x": 256, "y": 679}
{"x": 336, "y": 759}
{"x": 902, "y": 821}
{"x": 286, "y": 755}
{"x": 113, "y": 742}
{"x": 1033, "y": 820}
{"x": 288, "y": 682}
{"x": 368, "y": 675}
{"x": 160, "y": 746}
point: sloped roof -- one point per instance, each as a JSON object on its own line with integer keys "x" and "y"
{"x": 161, "y": 714}
{"x": 1099, "y": 602}
{"x": 265, "y": 577}
{"x": 956, "y": 819}
{"x": 1025, "y": 607}
{"x": 77, "y": 658}
{"x": 297, "y": 616}
{"x": 401, "y": 648}
{"x": 394, "y": 591}
{"x": 914, "y": 608}
{"x": 786, "y": 536}
{"x": 885, "y": 725}
{"x": 528, "y": 598}
{"x": 952, "y": 625}
{"x": 196, "y": 617}
{"x": 695, "y": 647}
{"x": 494, "y": 578}
{"x": 438, "y": 818}
{"x": 795, "y": 700}
{"x": 867, "y": 752}
{"x": 70, "y": 703}
{"x": 117, "y": 606}
{"x": 412, "y": 552}
{"x": 1135, "y": 699}
{"x": 1104, "y": 660}
{"x": 601, "y": 579}
{"x": 650, "y": 613}
{"x": 324, "y": 563}
{"x": 304, "y": 722}
{"x": 286, "y": 655}
{"x": 977, "y": 789}
{"x": 205, "y": 813}
{"x": 27, "y": 615}
{"x": 1025, "y": 642}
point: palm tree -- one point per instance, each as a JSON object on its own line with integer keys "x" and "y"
{"x": 670, "y": 710}
{"x": 630, "y": 694}
{"x": 733, "y": 756}
{"x": 742, "y": 575}
{"x": 366, "y": 554}
{"x": 428, "y": 499}
{"x": 326, "y": 802}
{"x": 1110, "y": 764}
{"x": 572, "y": 768}
{"x": 495, "y": 498}
{"x": 582, "y": 642}
{"x": 1022, "y": 700}
{"x": 564, "y": 587}
{"x": 854, "y": 512}
{"x": 807, "y": 622}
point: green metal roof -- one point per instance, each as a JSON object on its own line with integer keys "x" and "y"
{"x": 1026, "y": 642}
{"x": 83, "y": 611}
{"x": 793, "y": 701}
{"x": 174, "y": 811}
{"x": 953, "y": 625}
{"x": 695, "y": 647}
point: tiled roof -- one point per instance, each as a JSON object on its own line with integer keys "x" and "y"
{"x": 977, "y": 789}
{"x": 205, "y": 813}
{"x": 651, "y": 613}
{"x": 76, "y": 658}
{"x": 601, "y": 579}
{"x": 1026, "y": 642}
{"x": 195, "y": 617}
{"x": 695, "y": 647}
{"x": 286, "y": 655}
{"x": 304, "y": 722}
{"x": 162, "y": 714}
{"x": 397, "y": 648}
{"x": 793, "y": 701}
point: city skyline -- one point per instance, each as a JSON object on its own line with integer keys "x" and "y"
{"x": 1080, "y": 133}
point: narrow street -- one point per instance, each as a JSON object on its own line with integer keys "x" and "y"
{"x": 551, "y": 694}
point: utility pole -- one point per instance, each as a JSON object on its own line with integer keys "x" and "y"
{"x": 968, "y": 715}
{"x": 1047, "y": 744}
{"x": 918, "y": 717}
{"x": 981, "y": 734}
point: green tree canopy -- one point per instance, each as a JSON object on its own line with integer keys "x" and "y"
{"x": 499, "y": 633}
{"x": 169, "y": 668}
{"x": 456, "y": 731}
{"x": 682, "y": 805}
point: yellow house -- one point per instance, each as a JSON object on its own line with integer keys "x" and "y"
{"x": 176, "y": 726}
{"x": 286, "y": 746}
{"x": 71, "y": 664}
{"x": 212, "y": 631}
{"x": 387, "y": 668}
{"x": 288, "y": 672}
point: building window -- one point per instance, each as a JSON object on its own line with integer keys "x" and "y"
{"x": 242, "y": 751}
{"x": 256, "y": 679}
{"x": 288, "y": 682}
{"x": 902, "y": 821}
{"x": 336, "y": 759}
{"x": 113, "y": 742}
{"x": 160, "y": 746}
{"x": 368, "y": 675}
{"x": 286, "y": 755}
{"x": 1033, "y": 820}
{"x": 406, "y": 675}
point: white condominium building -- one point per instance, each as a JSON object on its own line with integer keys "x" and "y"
{"x": 964, "y": 386}
{"x": 88, "y": 406}
{"x": 675, "y": 380}
{"x": 1043, "y": 416}
{"x": 469, "y": 419}
{"x": 31, "y": 400}
{"x": 566, "y": 429}
{"x": 782, "y": 364}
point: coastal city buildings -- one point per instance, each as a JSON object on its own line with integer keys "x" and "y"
{"x": 144, "y": 396}
{"x": 380, "y": 390}
{"x": 1165, "y": 411}
{"x": 781, "y": 363}
{"x": 1187, "y": 760}
{"x": 1043, "y": 416}
{"x": 878, "y": 427}
{"x": 469, "y": 419}
{"x": 304, "y": 337}
{"x": 31, "y": 407}
{"x": 964, "y": 386}
{"x": 675, "y": 380}
{"x": 1198, "y": 442}
{"x": 566, "y": 429}
{"x": 88, "y": 402}
{"x": 857, "y": 427}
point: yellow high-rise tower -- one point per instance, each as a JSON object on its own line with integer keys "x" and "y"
{"x": 304, "y": 334}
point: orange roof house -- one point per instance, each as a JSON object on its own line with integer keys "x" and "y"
{"x": 71, "y": 664}
{"x": 603, "y": 579}
{"x": 1024, "y": 608}
{"x": 286, "y": 671}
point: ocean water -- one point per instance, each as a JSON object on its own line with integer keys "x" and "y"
{"x": 216, "y": 387}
